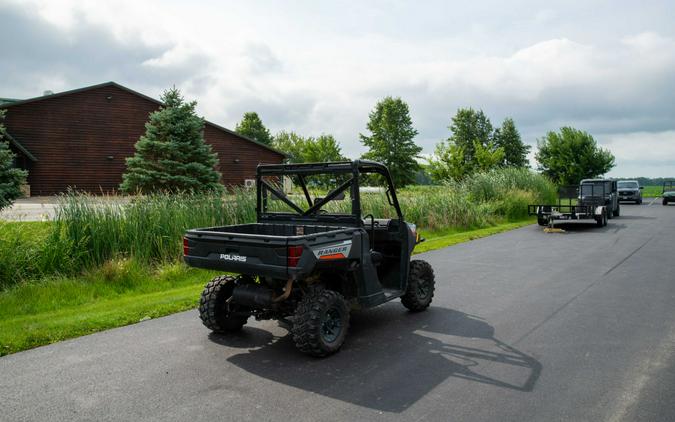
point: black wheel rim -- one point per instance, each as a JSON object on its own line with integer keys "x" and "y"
{"x": 423, "y": 289}
{"x": 331, "y": 326}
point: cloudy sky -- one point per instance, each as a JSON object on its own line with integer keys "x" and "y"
{"x": 319, "y": 67}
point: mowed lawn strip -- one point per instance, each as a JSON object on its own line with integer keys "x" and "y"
{"x": 440, "y": 240}
{"x": 124, "y": 292}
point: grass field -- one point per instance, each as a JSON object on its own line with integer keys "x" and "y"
{"x": 652, "y": 191}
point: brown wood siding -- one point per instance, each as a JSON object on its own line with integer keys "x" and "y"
{"x": 73, "y": 135}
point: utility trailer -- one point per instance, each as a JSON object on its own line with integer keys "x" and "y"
{"x": 586, "y": 202}
{"x": 312, "y": 256}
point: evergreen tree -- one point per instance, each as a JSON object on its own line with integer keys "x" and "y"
{"x": 252, "y": 127}
{"x": 508, "y": 138}
{"x": 172, "y": 155}
{"x": 11, "y": 178}
{"x": 391, "y": 140}
{"x": 572, "y": 155}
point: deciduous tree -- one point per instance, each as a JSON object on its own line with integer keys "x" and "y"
{"x": 508, "y": 138}
{"x": 252, "y": 127}
{"x": 391, "y": 140}
{"x": 571, "y": 155}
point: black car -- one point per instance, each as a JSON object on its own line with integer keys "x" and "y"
{"x": 309, "y": 259}
{"x": 629, "y": 190}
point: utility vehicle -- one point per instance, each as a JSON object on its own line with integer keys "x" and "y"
{"x": 630, "y": 190}
{"x": 593, "y": 200}
{"x": 309, "y": 260}
{"x": 668, "y": 192}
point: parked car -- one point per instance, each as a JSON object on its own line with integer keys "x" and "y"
{"x": 629, "y": 190}
{"x": 668, "y": 192}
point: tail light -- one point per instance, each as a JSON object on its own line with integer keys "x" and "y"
{"x": 186, "y": 247}
{"x": 293, "y": 254}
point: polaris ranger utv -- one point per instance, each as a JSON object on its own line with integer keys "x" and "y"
{"x": 309, "y": 260}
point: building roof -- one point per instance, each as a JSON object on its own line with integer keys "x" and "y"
{"x": 8, "y": 103}
{"x": 17, "y": 145}
{"x": 8, "y": 100}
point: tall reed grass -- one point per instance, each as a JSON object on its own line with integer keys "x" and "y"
{"x": 89, "y": 231}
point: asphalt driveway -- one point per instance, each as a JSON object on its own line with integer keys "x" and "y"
{"x": 524, "y": 326}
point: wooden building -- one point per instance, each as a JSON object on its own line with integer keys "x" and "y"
{"x": 81, "y": 138}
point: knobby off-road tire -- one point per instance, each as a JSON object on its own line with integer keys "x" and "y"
{"x": 421, "y": 284}
{"x": 321, "y": 323}
{"x": 213, "y": 307}
{"x": 617, "y": 211}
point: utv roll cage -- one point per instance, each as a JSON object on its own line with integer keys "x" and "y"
{"x": 298, "y": 173}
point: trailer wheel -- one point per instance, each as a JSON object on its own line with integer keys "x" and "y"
{"x": 420, "y": 289}
{"x": 601, "y": 220}
{"x": 617, "y": 211}
{"x": 213, "y": 308}
{"x": 321, "y": 323}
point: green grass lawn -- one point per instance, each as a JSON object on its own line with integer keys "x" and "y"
{"x": 652, "y": 191}
{"x": 123, "y": 292}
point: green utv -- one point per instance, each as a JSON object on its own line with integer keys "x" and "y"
{"x": 308, "y": 261}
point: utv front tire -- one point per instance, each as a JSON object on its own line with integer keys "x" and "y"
{"x": 214, "y": 309}
{"x": 421, "y": 284}
{"x": 665, "y": 201}
{"x": 321, "y": 323}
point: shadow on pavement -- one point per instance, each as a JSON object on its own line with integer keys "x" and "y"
{"x": 392, "y": 358}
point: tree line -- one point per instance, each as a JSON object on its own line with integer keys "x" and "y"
{"x": 474, "y": 145}
{"x": 173, "y": 156}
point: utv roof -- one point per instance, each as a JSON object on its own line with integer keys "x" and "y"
{"x": 362, "y": 166}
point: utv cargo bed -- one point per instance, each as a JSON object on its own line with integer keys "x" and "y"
{"x": 272, "y": 250}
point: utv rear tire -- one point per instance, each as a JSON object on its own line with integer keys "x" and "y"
{"x": 213, "y": 307}
{"x": 617, "y": 211}
{"x": 321, "y": 323}
{"x": 421, "y": 284}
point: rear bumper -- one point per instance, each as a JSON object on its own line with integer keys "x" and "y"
{"x": 258, "y": 269}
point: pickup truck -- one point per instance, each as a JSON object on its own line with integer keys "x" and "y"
{"x": 309, "y": 259}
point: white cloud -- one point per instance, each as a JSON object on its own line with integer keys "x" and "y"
{"x": 320, "y": 67}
